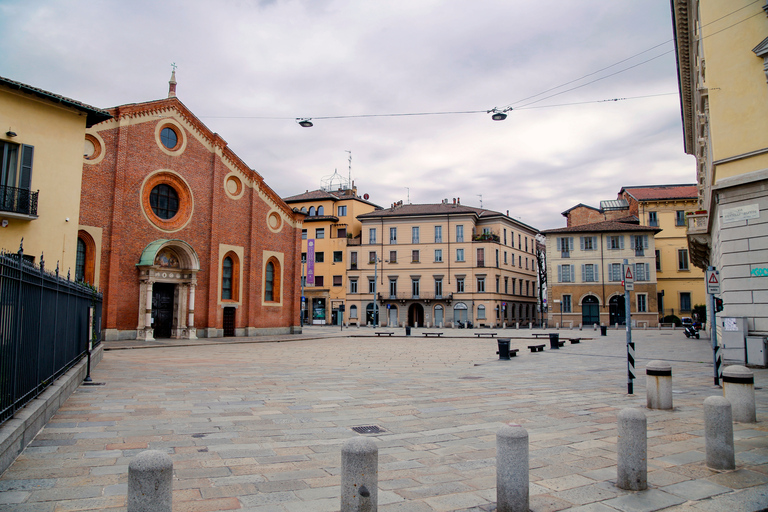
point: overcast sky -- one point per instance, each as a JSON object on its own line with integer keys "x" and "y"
{"x": 248, "y": 68}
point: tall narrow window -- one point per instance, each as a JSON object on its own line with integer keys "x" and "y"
{"x": 415, "y": 234}
{"x": 80, "y": 262}
{"x": 269, "y": 284}
{"x": 679, "y": 218}
{"x": 480, "y": 257}
{"x": 226, "y": 278}
{"x": 653, "y": 219}
{"x": 438, "y": 287}
{"x": 393, "y": 235}
{"x": 372, "y": 235}
{"x": 272, "y": 281}
{"x": 438, "y": 234}
{"x": 459, "y": 233}
{"x": 682, "y": 259}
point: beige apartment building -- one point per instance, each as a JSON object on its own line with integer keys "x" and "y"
{"x": 722, "y": 64}
{"x": 329, "y": 226}
{"x": 585, "y": 273}
{"x": 443, "y": 265}
{"x": 680, "y": 284}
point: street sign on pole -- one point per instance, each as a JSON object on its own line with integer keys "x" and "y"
{"x": 713, "y": 282}
{"x": 629, "y": 278}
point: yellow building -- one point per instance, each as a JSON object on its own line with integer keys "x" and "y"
{"x": 42, "y": 145}
{"x": 330, "y": 225}
{"x": 680, "y": 284}
{"x": 441, "y": 265}
{"x": 722, "y": 60}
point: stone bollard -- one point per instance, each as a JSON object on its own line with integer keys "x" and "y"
{"x": 359, "y": 475}
{"x": 718, "y": 433}
{"x": 658, "y": 385}
{"x": 632, "y": 450}
{"x": 150, "y": 482}
{"x": 739, "y": 389}
{"x": 511, "y": 469}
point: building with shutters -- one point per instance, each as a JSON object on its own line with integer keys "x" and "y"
{"x": 585, "y": 273}
{"x": 330, "y": 226}
{"x": 182, "y": 236}
{"x": 41, "y": 145}
{"x": 441, "y": 265}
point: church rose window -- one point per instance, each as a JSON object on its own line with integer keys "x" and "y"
{"x": 164, "y": 201}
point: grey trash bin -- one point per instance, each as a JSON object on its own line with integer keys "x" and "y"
{"x": 603, "y": 330}
{"x": 407, "y": 330}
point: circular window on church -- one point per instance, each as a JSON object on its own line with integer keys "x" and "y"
{"x": 164, "y": 201}
{"x": 167, "y": 200}
{"x": 169, "y": 138}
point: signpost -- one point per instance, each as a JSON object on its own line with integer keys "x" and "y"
{"x": 712, "y": 280}
{"x": 629, "y": 285}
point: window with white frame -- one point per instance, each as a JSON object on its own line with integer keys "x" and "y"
{"x": 459, "y": 285}
{"x": 438, "y": 255}
{"x": 415, "y": 286}
{"x": 438, "y": 287}
{"x": 393, "y": 235}
{"x": 480, "y": 284}
{"x": 438, "y": 234}
{"x": 642, "y": 272}
{"x": 481, "y": 312}
{"x": 371, "y": 285}
{"x": 565, "y": 273}
{"x": 588, "y": 243}
{"x": 415, "y": 234}
{"x": 459, "y": 233}
{"x": 320, "y": 233}
{"x": 392, "y": 287}
{"x": 371, "y": 235}
{"x": 589, "y": 273}
{"x": 459, "y": 254}
{"x": 414, "y": 256}
{"x": 614, "y": 272}
{"x": 680, "y": 218}
{"x": 392, "y": 257}
{"x": 342, "y": 211}
{"x": 642, "y": 302}
{"x": 682, "y": 259}
{"x": 353, "y": 311}
{"x": 353, "y": 285}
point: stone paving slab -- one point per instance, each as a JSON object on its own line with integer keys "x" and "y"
{"x": 256, "y": 425}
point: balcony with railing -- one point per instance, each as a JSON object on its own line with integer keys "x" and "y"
{"x": 698, "y": 223}
{"x": 423, "y": 296}
{"x": 18, "y": 202}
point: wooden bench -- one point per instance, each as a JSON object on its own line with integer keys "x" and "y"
{"x": 540, "y": 335}
{"x": 512, "y": 352}
{"x": 536, "y": 348}
{"x": 428, "y": 334}
{"x": 384, "y": 333}
{"x": 489, "y": 334}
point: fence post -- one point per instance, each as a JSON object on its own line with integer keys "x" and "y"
{"x": 718, "y": 433}
{"x": 150, "y": 482}
{"x": 512, "y": 469}
{"x": 359, "y": 475}
{"x": 632, "y": 450}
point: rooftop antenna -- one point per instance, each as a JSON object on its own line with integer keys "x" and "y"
{"x": 481, "y": 199}
{"x": 349, "y": 177}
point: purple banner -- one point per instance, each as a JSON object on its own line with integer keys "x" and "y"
{"x": 311, "y": 262}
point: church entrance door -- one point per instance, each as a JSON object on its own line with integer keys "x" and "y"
{"x": 162, "y": 309}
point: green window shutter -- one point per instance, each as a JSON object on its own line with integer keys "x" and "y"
{"x": 25, "y": 176}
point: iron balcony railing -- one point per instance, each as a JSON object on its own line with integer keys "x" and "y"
{"x": 18, "y": 200}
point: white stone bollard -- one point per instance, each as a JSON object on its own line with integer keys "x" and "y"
{"x": 150, "y": 482}
{"x": 658, "y": 385}
{"x": 512, "y": 469}
{"x": 739, "y": 389}
{"x": 718, "y": 433}
{"x": 632, "y": 450}
{"x": 359, "y": 475}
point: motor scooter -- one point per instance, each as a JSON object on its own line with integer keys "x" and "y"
{"x": 691, "y": 332}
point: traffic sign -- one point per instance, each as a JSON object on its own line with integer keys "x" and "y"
{"x": 712, "y": 278}
{"x": 628, "y": 278}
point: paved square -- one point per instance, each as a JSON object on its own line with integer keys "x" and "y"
{"x": 257, "y": 425}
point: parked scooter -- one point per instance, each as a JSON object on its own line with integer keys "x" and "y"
{"x": 691, "y": 332}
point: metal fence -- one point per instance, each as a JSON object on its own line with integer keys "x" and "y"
{"x": 46, "y": 322}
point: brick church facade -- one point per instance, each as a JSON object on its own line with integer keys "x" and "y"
{"x": 184, "y": 239}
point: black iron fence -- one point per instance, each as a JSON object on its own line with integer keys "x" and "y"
{"x": 46, "y": 322}
{"x": 18, "y": 200}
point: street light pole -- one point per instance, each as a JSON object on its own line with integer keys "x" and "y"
{"x": 375, "y": 283}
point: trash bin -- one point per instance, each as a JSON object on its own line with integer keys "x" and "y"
{"x": 603, "y": 330}
{"x": 407, "y": 330}
{"x": 503, "y": 348}
{"x": 554, "y": 340}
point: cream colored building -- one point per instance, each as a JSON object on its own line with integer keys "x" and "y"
{"x": 330, "y": 226}
{"x": 585, "y": 274}
{"x": 722, "y": 62}
{"x": 439, "y": 265}
{"x": 42, "y": 145}
{"x": 680, "y": 284}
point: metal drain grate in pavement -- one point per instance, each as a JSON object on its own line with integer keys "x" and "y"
{"x": 369, "y": 429}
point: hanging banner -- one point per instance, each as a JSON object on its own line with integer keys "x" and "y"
{"x": 311, "y": 262}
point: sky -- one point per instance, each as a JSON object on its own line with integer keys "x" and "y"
{"x": 249, "y": 68}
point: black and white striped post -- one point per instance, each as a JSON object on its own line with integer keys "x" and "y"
{"x": 712, "y": 280}
{"x": 628, "y": 286}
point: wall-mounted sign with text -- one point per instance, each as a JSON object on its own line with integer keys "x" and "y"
{"x": 741, "y": 213}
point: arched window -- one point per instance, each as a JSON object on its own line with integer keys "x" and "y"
{"x": 320, "y": 210}
{"x": 86, "y": 258}
{"x": 230, "y": 277}
{"x": 480, "y": 312}
{"x": 352, "y": 311}
{"x": 272, "y": 281}
{"x": 311, "y": 211}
